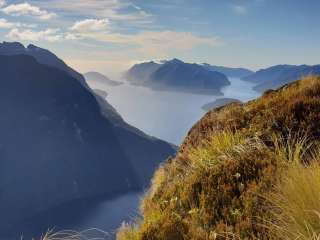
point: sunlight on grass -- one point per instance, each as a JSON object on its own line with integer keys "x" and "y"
{"x": 89, "y": 234}
{"x": 212, "y": 150}
{"x": 297, "y": 203}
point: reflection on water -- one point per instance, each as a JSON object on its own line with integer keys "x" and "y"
{"x": 167, "y": 115}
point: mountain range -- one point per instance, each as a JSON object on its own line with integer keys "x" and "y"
{"x": 276, "y": 76}
{"x": 229, "y": 71}
{"x": 176, "y": 75}
{"x": 60, "y": 142}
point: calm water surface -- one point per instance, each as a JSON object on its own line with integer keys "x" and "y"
{"x": 167, "y": 115}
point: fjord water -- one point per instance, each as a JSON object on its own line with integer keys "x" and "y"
{"x": 164, "y": 114}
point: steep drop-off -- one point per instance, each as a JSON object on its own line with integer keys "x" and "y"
{"x": 61, "y": 143}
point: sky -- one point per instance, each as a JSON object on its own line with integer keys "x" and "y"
{"x": 111, "y": 35}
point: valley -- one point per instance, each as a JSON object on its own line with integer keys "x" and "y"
{"x": 159, "y": 120}
{"x": 165, "y": 114}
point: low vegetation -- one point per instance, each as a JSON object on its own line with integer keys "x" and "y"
{"x": 245, "y": 171}
{"x": 296, "y": 201}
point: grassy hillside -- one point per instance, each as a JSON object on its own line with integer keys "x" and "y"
{"x": 245, "y": 171}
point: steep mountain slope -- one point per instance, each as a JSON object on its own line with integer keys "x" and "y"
{"x": 141, "y": 146}
{"x": 100, "y": 78}
{"x": 276, "y": 76}
{"x": 145, "y": 152}
{"x": 60, "y": 142}
{"x": 176, "y": 75}
{"x": 220, "y": 184}
{"x": 228, "y": 71}
{"x": 55, "y": 144}
{"x": 140, "y": 73}
{"x": 41, "y": 55}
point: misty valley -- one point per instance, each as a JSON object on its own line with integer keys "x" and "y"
{"x": 159, "y": 120}
{"x": 165, "y": 114}
{"x": 95, "y": 142}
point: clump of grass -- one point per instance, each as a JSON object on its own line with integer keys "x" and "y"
{"x": 212, "y": 149}
{"x": 89, "y": 234}
{"x": 294, "y": 148}
{"x": 296, "y": 203}
{"x": 128, "y": 232}
{"x": 212, "y": 194}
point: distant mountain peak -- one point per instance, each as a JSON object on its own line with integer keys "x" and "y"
{"x": 175, "y": 60}
{"x": 176, "y": 75}
{"x": 278, "y": 75}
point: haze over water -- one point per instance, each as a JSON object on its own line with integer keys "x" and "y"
{"x": 163, "y": 114}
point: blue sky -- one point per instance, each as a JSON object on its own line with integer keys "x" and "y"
{"x": 110, "y": 35}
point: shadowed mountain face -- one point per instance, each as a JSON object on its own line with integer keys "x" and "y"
{"x": 229, "y": 72}
{"x": 140, "y": 73}
{"x": 59, "y": 142}
{"x": 143, "y": 149}
{"x": 41, "y": 55}
{"x": 100, "y": 78}
{"x": 276, "y": 76}
{"x": 55, "y": 144}
{"x": 178, "y": 76}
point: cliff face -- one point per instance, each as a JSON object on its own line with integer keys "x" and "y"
{"x": 55, "y": 144}
{"x": 61, "y": 143}
{"x": 231, "y": 160}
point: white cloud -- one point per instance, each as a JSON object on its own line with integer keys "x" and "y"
{"x": 156, "y": 43}
{"x": 2, "y": 3}
{"x": 90, "y": 25}
{"x": 239, "y": 9}
{"x": 114, "y": 10}
{"x": 50, "y": 35}
{"x": 4, "y": 23}
{"x": 72, "y": 36}
{"x": 29, "y": 10}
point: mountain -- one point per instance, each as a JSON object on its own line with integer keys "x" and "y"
{"x": 41, "y": 55}
{"x": 219, "y": 103}
{"x": 61, "y": 143}
{"x": 140, "y": 73}
{"x": 228, "y": 71}
{"x": 100, "y": 78}
{"x": 55, "y": 147}
{"x": 176, "y": 75}
{"x": 244, "y": 171}
{"x": 136, "y": 152}
{"x": 276, "y": 76}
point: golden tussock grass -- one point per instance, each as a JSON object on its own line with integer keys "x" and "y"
{"x": 227, "y": 180}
